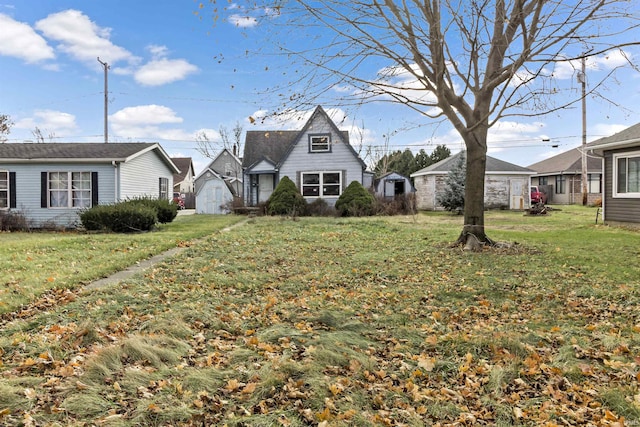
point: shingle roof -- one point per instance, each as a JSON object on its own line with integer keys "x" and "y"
{"x": 628, "y": 136}
{"x": 184, "y": 164}
{"x": 266, "y": 144}
{"x": 493, "y": 166}
{"x": 71, "y": 151}
{"x": 566, "y": 162}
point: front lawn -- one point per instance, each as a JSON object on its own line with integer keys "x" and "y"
{"x": 342, "y": 322}
{"x": 33, "y": 263}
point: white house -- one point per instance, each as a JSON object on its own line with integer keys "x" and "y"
{"x": 51, "y": 183}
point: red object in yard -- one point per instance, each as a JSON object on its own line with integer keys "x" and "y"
{"x": 178, "y": 200}
{"x": 536, "y": 195}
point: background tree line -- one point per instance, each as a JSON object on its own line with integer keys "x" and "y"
{"x": 405, "y": 163}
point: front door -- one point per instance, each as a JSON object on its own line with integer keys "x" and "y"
{"x": 516, "y": 194}
{"x": 265, "y": 187}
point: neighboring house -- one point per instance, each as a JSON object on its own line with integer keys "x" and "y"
{"x": 228, "y": 166}
{"x": 560, "y": 177}
{"x": 51, "y": 183}
{"x": 214, "y": 194}
{"x": 318, "y": 159}
{"x": 506, "y": 185}
{"x": 621, "y": 166}
{"x": 183, "y": 182}
{"x": 392, "y": 184}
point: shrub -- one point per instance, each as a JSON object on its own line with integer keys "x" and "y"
{"x": 166, "y": 210}
{"x": 120, "y": 218}
{"x": 452, "y": 198}
{"x": 355, "y": 200}
{"x": 13, "y": 221}
{"x": 404, "y": 204}
{"x": 286, "y": 199}
{"x": 319, "y": 207}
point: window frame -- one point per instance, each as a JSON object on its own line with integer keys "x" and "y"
{"x": 615, "y": 175}
{"x": 73, "y": 192}
{"x": 313, "y": 146}
{"x": 163, "y": 188}
{"x": 6, "y": 191}
{"x": 594, "y": 179}
{"x": 560, "y": 189}
{"x": 321, "y": 186}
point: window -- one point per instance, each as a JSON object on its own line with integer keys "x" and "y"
{"x": 69, "y": 189}
{"x": 319, "y": 143}
{"x": 543, "y": 180}
{"x": 163, "y": 193}
{"x": 594, "y": 183}
{"x": 560, "y": 181}
{"x": 627, "y": 175}
{"x": 321, "y": 184}
{"x": 4, "y": 190}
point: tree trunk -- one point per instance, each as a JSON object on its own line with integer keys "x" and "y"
{"x": 473, "y": 235}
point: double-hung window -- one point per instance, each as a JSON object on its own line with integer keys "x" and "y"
{"x": 626, "y": 175}
{"x": 320, "y": 143}
{"x": 163, "y": 193}
{"x": 560, "y": 182}
{"x": 4, "y": 189}
{"x": 321, "y": 184}
{"x": 69, "y": 189}
{"x": 594, "y": 183}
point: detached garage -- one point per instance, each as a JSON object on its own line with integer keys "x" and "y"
{"x": 506, "y": 185}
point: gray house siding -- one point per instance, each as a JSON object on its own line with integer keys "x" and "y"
{"x": 618, "y": 209}
{"x": 28, "y": 190}
{"x": 141, "y": 176}
{"x": 339, "y": 159}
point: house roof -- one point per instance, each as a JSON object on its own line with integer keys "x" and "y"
{"x": 275, "y": 145}
{"x": 628, "y": 137}
{"x": 568, "y": 162}
{"x": 79, "y": 152}
{"x": 494, "y": 166}
{"x": 184, "y": 164}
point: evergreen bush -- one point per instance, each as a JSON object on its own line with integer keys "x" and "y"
{"x": 355, "y": 200}
{"x": 452, "y": 198}
{"x": 166, "y": 210}
{"x": 286, "y": 199}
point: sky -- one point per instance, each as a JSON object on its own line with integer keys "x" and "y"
{"x": 173, "y": 74}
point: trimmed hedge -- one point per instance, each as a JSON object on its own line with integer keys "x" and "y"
{"x": 130, "y": 216}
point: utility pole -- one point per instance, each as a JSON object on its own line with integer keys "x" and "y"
{"x": 106, "y": 101}
{"x": 582, "y": 78}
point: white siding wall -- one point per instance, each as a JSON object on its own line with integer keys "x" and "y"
{"x": 28, "y": 190}
{"x": 340, "y": 159}
{"x": 141, "y": 176}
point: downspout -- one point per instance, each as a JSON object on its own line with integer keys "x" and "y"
{"x": 116, "y": 181}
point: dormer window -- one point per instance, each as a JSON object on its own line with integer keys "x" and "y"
{"x": 319, "y": 143}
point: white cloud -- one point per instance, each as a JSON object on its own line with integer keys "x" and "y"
{"x": 49, "y": 122}
{"x": 243, "y": 21}
{"x": 19, "y": 40}
{"x": 162, "y": 71}
{"x": 144, "y": 115}
{"x": 81, "y": 38}
{"x": 148, "y": 122}
{"x": 602, "y": 130}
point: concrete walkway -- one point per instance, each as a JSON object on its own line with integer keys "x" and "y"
{"x": 143, "y": 265}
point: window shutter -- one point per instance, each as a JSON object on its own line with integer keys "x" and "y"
{"x": 159, "y": 187}
{"x": 94, "y": 189}
{"x": 12, "y": 190}
{"x": 43, "y": 190}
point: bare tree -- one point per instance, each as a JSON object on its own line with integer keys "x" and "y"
{"x": 230, "y": 140}
{"x": 5, "y": 127}
{"x": 469, "y": 62}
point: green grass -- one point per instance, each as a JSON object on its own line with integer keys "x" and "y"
{"x": 32, "y": 263}
{"x": 368, "y": 321}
